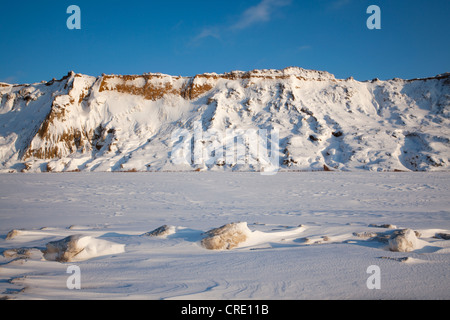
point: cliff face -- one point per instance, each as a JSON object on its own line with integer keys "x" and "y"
{"x": 127, "y": 123}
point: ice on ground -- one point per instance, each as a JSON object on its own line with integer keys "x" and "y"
{"x": 344, "y": 216}
{"x": 12, "y": 234}
{"x": 238, "y": 234}
{"x": 445, "y": 236}
{"x": 227, "y": 236}
{"x": 80, "y": 247}
{"x": 398, "y": 240}
{"x": 162, "y": 231}
{"x": 404, "y": 240}
{"x": 386, "y": 225}
{"x": 20, "y": 253}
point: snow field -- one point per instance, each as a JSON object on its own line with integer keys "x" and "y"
{"x": 307, "y": 235}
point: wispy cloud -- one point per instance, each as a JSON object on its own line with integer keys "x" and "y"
{"x": 304, "y": 48}
{"x": 260, "y": 13}
{"x": 337, "y": 4}
{"x": 213, "y": 32}
{"x": 11, "y": 79}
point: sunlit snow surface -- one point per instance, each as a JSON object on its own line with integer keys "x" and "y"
{"x": 321, "y": 259}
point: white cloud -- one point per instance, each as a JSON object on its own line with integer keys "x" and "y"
{"x": 337, "y": 4}
{"x": 12, "y": 79}
{"x": 260, "y": 13}
{"x": 303, "y": 48}
{"x": 208, "y": 32}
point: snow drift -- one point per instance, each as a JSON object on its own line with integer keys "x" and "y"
{"x": 162, "y": 231}
{"x": 226, "y": 237}
{"x": 237, "y": 234}
{"x": 126, "y": 123}
{"x": 80, "y": 247}
{"x": 404, "y": 240}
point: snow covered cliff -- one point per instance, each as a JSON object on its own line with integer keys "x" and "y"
{"x": 127, "y": 123}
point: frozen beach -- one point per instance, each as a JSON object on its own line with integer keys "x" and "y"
{"x": 307, "y": 235}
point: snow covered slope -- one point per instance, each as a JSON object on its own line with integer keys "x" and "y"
{"x": 127, "y": 123}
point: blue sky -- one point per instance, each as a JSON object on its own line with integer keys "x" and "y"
{"x": 192, "y": 37}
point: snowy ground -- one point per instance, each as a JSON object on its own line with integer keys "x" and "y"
{"x": 322, "y": 259}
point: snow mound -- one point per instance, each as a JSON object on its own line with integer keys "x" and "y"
{"x": 162, "y": 231}
{"x": 404, "y": 240}
{"x": 13, "y": 233}
{"x": 20, "y": 253}
{"x": 442, "y": 235}
{"x": 227, "y": 236}
{"x": 80, "y": 247}
{"x": 386, "y": 226}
